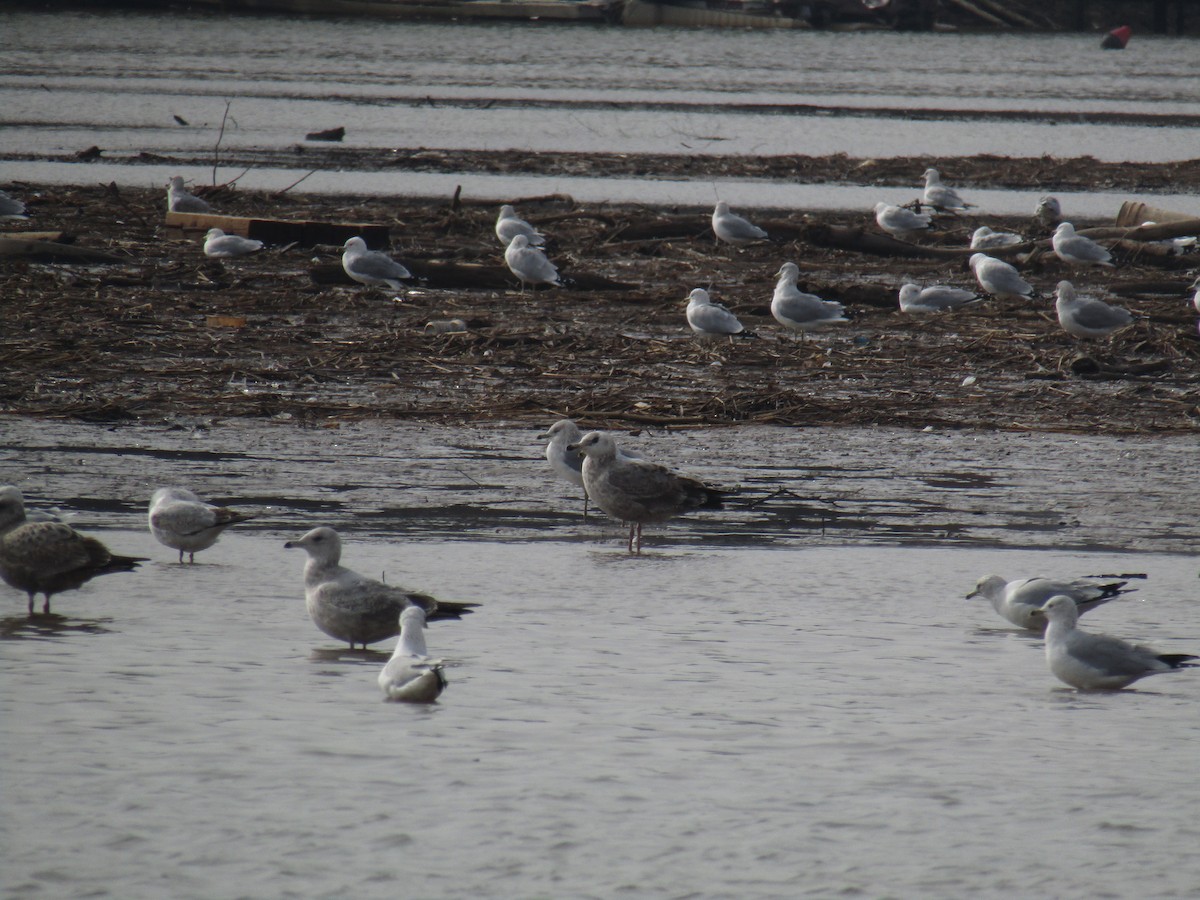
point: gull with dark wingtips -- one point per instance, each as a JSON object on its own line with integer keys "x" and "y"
{"x": 999, "y": 279}
{"x": 800, "y": 311}
{"x": 370, "y": 267}
{"x": 410, "y": 676}
{"x": 1086, "y": 317}
{"x": 733, "y": 229}
{"x": 935, "y": 298}
{"x": 1077, "y": 250}
{"x": 182, "y": 521}
{"x": 1019, "y": 601}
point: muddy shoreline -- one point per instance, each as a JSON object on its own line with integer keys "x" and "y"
{"x": 147, "y": 338}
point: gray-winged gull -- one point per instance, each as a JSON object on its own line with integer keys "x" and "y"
{"x": 938, "y": 195}
{"x": 1019, "y": 601}
{"x": 220, "y": 245}
{"x": 351, "y": 607}
{"x": 935, "y": 298}
{"x": 530, "y": 264}
{"x": 182, "y": 521}
{"x": 636, "y": 491}
{"x": 370, "y": 267}
{"x": 509, "y": 225}
{"x": 1086, "y": 317}
{"x": 179, "y": 200}
{"x": 733, "y": 229}
{"x": 49, "y": 557}
{"x": 709, "y": 319}
{"x": 1096, "y": 662}
{"x": 900, "y": 222}
{"x": 568, "y": 464}
{"x": 1077, "y": 250}
{"x": 800, "y": 311}
{"x": 999, "y": 279}
{"x": 410, "y": 676}
{"x": 984, "y": 238}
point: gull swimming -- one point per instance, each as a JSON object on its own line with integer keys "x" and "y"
{"x": 709, "y": 319}
{"x": 182, "y": 521}
{"x": 733, "y": 229}
{"x": 1077, "y": 250}
{"x": 220, "y": 245}
{"x": 800, "y": 311}
{"x": 49, "y": 557}
{"x": 938, "y": 195}
{"x": 568, "y": 464}
{"x": 1048, "y": 212}
{"x": 935, "y": 298}
{"x": 983, "y": 238}
{"x": 1021, "y": 600}
{"x": 410, "y": 676}
{"x": 636, "y": 491}
{"x": 1096, "y": 662}
{"x": 351, "y": 607}
{"x": 11, "y": 207}
{"x": 370, "y": 267}
{"x": 530, "y": 264}
{"x": 999, "y": 279}
{"x": 900, "y": 222}
{"x": 1086, "y": 317}
{"x": 509, "y": 225}
{"x": 179, "y": 200}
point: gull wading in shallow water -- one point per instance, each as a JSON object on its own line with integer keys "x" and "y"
{"x": 636, "y": 491}
{"x": 1077, "y": 250}
{"x": 733, "y": 229}
{"x": 182, "y": 521}
{"x": 49, "y": 557}
{"x": 509, "y": 225}
{"x": 410, "y": 676}
{"x": 568, "y": 464}
{"x": 1085, "y": 317}
{"x": 351, "y": 607}
{"x": 999, "y": 279}
{"x": 370, "y": 267}
{"x": 800, "y": 311}
{"x": 220, "y": 245}
{"x": 935, "y": 298}
{"x": 179, "y": 200}
{"x": 530, "y": 264}
{"x": 1096, "y": 662}
{"x": 709, "y": 319}
{"x": 1020, "y": 601}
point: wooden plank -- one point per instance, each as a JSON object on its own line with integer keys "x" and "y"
{"x": 281, "y": 231}
{"x": 55, "y": 236}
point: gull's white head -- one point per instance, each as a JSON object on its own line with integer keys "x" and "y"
{"x": 990, "y": 586}
{"x": 977, "y": 259}
{"x": 507, "y": 212}
{"x": 323, "y": 545}
{"x": 1064, "y": 229}
{"x": 214, "y": 233}
{"x": 12, "y": 506}
{"x": 1060, "y": 609}
{"x": 176, "y": 182}
{"x": 562, "y": 426}
{"x": 1065, "y": 291}
{"x": 519, "y": 242}
{"x": 596, "y": 444}
{"x": 931, "y": 176}
{"x": 721, "y": 209}
{"x": 789, "y": 271}
{"x": 355, "y": 245}
{"x": 699, "y": 296}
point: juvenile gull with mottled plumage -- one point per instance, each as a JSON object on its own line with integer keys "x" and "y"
{"x": 182, "y": 521}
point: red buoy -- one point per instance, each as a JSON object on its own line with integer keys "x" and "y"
{"x": 1117, "y": 38}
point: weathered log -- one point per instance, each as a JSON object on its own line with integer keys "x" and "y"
{"x": 52, "y": 252}
{"x": 280, "y": 231}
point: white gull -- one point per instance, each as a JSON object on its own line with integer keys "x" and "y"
{"x": 179, "y": 200}
{"x": 530, "y": 264}
{"x": 732, "y": 228}
{"x": 1019, "y": 601}
{"x": 1077, "y": 250}
{"x": 935, "y": 298}
{"x": 1086, "y": 317}
{"x": 182, "y": 521}
{"x": 410, "y": 676}
{"x": 509, "y": 225}
{"x": 999, "y": 279}
{"x": 370, "y": 267}
{"x": 900, "y": 222}
{"x": 800, "y": 311}
{"x": 220, "y": 245}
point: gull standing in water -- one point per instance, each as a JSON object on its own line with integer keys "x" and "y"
{"x": 1085, "y": 317}
{"x": 1096, "y": 662}
{"x": 351, "y": 607}
{"x": 800, "y": 311}
{"x": 370, "y": 267}
{"x": 709, "y": 319}
{"x": 938, "y": 195}
{"x": 220, "y": 245}
{"x": 1020, "y": 601}
{"x": 636, "y": 491}
{"x": 509, "y": 225}
{"x": 983, "y": 238}
{"x": 900, "y": 222}
{"x": 182, "y": 521}
{"x": 935, "y": 298}
{"x": 530, "y": 264}
{"x": 410, "y": 676}
{"x": 999, "y": 279}
{"x": 733, "y": 229}
{"x": 1077, "y": 250}
{"x": 568, "y": 464}
{"x": 49, "y": 557}
{"x": 179, "y": 200}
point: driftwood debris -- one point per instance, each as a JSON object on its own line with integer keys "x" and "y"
{"x": 329, "y": 134}
{"x": 49, "y": 251}
{"x": 281, "y": 231}
{"x": 442, "y": 274}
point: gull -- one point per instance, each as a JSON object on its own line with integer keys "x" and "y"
{"x": 935, "y": 298}
{"x": 1196, "y": 295}
{"x": 1174, "y": 246}
{"x": 509, "y": 225}
{"x": 1085, "y": 317}
{"x": 938, "y": 195}
{"x": 900, "y": 222}
{"x": 568, "y": 464}
{"x": 530, "y": 264}
{"x": 1020, "y": 601}
{"x": 709, "y": 319}
{"x": 11, "y": 207}
{"x": 1096, "y": 662}
{"x": 1077, "y": 250}
{"x": 182, "y": 521}
{"x": 49, "y": 557}
{"x": 984, "y": 238}
{"x": 410, "y": 676}
{"x": 222, "y": 246}
{"x": 733, "y": 229}
{"x": 636, "y": 491}
{"x": 1048, "y": 212}
{"x": 800, "y": 311}
{"x": 351, "y": 607}
{"x": 370, "y": 267}
{"x": 179, "y": 200}
{"x": 998, "y": 278}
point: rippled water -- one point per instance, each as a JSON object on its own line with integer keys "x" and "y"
{"x": 788, "y": 698}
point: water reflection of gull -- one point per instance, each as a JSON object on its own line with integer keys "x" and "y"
{"x": 410, "y": 676}
{"x": 1018, "y": 601}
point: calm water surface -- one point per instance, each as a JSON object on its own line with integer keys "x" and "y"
{"x": 789, "y": 698}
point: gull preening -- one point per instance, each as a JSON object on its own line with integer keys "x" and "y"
{"x": 984, "y": 238}
{"x": 351, "y": 607}
{"x": 999, "y": 279}
{"x": 1097, "y": 662}
{"x": 800, "y": 311}
{"x": 938, "y": 195}
{"x": 1048, "y": 213}
{"x": 220, "y": 245}
{"x": 530, "y": 264}
{"x": 509, "y": 225}
{"x": 11, "y": 207}
{"x": 935, "y": 298}
{"x": 733, "y": 229}
{"x": 179, "y": 200}
{"x": 410, "y": 676}
{"x": 49, "y": 557}
{"x": 709, "y": 319}
{"x": 1086, "y": 317}
{"x": 370, "y": 267}
{"x": 182, "y": 521}
{"x": 1020, "y": 601}
{"x": 900, "y": 222}
{"x": 636, "y": 491}
{"x": 1077, "y": 250}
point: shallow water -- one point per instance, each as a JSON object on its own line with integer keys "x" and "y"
{"x": 788, "y": 698}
